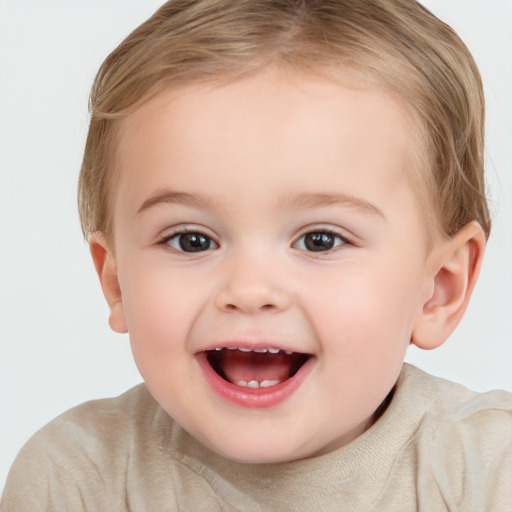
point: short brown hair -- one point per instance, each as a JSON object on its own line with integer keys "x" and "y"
{"x": 396, "y": 43}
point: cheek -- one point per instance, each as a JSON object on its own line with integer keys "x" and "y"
{"x": 158, "y": 308}
{"x": 366, "y": 312}
{"x": 160, "y": 312}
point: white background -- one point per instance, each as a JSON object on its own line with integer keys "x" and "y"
{"x": 56, "y": 349}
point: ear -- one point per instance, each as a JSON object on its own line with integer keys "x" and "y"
{"x": 455, "y": 267}
{"x": 106, "y": 267}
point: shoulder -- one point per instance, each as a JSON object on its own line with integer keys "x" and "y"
{"x": 84, "y": 448}
{"x": 456, "y": 406}
{"x": 112, "y": 454}
{"x": 96, "y": 424}
{"x": 463, "y": 439}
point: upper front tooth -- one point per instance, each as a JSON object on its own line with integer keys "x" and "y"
{"x": 261, "y": 350}
{"x": 274, "y": 350}
{"x": 245, "y": 349}
{"x": 218, "y": 348}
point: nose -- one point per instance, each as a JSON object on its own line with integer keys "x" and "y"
{"x": 253, "y": 288}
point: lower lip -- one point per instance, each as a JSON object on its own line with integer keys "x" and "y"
{"x": 250, "y": 397}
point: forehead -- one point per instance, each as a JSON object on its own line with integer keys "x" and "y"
{"x": 287, "y": 125}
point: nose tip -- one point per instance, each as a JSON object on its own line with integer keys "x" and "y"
{"x": 251, "y": 296}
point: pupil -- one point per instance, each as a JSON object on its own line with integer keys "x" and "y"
{"x": 319, "y": 241}
{"x": 194, "y": 242}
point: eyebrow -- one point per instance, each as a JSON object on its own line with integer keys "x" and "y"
{"x": 312, "y": 200}
{"x": 299, "y": 201}
{"x": 169, "y": 197}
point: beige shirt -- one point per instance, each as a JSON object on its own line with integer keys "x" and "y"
{"x": 437, "y": 447}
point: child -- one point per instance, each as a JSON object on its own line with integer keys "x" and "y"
{"x": 279, "y": 198}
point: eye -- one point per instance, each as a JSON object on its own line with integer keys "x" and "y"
{"x": 320, "y": 241}
{"x": 190, "y": 242}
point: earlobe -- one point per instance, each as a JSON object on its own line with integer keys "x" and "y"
{"x": 456, "y": 265}
{"x": 106, "y": 268}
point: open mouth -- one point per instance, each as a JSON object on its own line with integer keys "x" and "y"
{"x": 255, "y": 368}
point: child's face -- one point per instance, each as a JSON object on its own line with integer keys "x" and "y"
{"x": 276, "y": 212}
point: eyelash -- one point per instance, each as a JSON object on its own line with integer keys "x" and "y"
{"x": 178, "y": 233}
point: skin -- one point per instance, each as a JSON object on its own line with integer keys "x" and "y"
{"x": 257, "y": 164}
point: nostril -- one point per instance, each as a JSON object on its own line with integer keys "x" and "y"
{"x": 264, "y": 307}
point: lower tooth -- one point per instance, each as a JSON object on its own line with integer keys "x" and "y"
{"x": 268, "y": 383}
{"x": 255, "y": 384}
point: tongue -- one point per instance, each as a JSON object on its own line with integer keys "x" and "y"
{"x": 239, "y": 366}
